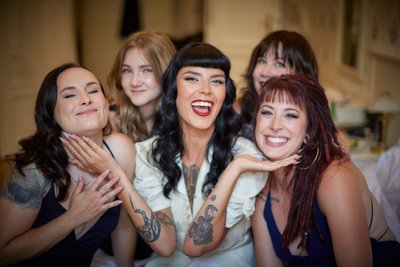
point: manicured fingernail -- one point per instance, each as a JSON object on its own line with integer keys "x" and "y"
{"x": 62, "y": 139}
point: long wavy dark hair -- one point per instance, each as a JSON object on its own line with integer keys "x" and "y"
{"x": 321, "y": 147}
{"x": 168, "y": 145}
{"x": 296, "y": 51}
{"x": 44, "y": 147}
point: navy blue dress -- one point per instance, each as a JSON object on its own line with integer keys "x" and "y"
{"x": 319, "y": 246}
{"x": 71, "y": 251}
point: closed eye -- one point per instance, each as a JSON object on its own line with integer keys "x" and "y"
{"x": 266, "y": 112}
{"x": 190, "y": 79}
{"x": 93, "y": 91}
{"x": 292, "y": 116}
{"x": 68, "y": 96}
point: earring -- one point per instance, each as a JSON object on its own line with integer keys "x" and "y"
{"x": 317, "y": 156}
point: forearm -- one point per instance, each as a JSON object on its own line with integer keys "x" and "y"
{"x": 156, "y": 228}
{"x": 124, "y": 240}
{"x": 36, "y": 241}
{"x": 211, "y": 216}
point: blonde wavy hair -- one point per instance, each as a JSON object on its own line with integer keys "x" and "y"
{"x": 158, "y": 49}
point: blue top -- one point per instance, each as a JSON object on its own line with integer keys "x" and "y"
{"x": 71, "y": 251}
{"x": 319, "y": 244}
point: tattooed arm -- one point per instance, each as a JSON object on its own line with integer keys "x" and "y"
{"x": 156, "y": 228}
{"x": 20, "y": 202}
{"x": 208, "y": 229}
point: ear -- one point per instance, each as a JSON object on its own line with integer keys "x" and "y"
{"x": 306, "y": 138}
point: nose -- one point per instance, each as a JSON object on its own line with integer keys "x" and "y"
{"x": 136, "y": 80}
{"x": 276, "y": 124}
{"x": 205, "y": 88}
{"x": 266, "y": 71}
{"x": 85, "y": 99}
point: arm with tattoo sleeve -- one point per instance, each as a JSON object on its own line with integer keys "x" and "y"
{"x": 208, "y": 229}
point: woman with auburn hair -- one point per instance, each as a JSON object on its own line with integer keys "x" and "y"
{"x": 319, "y": 212}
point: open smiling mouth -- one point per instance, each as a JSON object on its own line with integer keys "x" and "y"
{"x": 202, "y": 108}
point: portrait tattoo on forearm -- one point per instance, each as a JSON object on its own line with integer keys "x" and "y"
{"x": 202, "y": 231}
{"x": 150, "y": 230}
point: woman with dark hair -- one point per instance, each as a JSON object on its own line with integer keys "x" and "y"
{"x": 319, "y": 212}
{"x": 54, "y": 213}
{"x": 197, "y": 198}
{"x": 280, "y": 52}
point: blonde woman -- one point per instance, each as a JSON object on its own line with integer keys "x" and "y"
{"x": 135, "y": 82}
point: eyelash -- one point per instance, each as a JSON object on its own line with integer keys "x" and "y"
{"x": 292, "y": 116}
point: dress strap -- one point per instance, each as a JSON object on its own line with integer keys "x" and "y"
{"x": 372, "y": 215}
{"x": 108, "y": 148}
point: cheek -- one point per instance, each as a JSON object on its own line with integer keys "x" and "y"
{"x": 221, "y": 94}
{"x": 156, "y": 89}
{"x": 256, "y": 73}
{"x": 178, "y": 103}
{"x": 125, "y": 82}
{"x": 59, "y": 114}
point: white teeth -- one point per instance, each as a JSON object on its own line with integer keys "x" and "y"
{"x": 201, "y": 104}
{"x": 277, "y": 140}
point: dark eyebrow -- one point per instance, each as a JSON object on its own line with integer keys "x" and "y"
{"x": 192, "y": 72}
{"x": 198, "y": 74}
